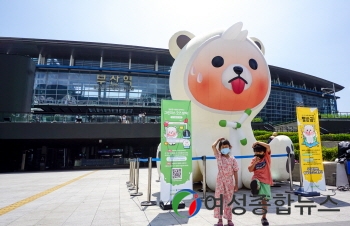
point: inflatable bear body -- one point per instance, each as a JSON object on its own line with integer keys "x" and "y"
{"x": 225, "y": 76}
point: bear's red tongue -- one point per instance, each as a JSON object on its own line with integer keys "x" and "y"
{"x": 238, "y": 86}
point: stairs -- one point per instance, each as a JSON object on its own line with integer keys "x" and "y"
{"x": 288, "y": 127}
{"x": 293, "y": 127}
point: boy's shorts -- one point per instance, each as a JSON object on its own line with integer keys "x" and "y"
{"x": 264, "y": 189}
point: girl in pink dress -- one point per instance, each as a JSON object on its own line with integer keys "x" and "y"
{"x": 226, "y": 181}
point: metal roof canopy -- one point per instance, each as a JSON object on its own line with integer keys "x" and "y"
{"x": 85, "y": 50}
{"x": 287, "y": 75}
{"x": 93, "y": 50}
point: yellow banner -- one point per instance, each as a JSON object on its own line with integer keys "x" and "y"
{"x": 310, "y": 157}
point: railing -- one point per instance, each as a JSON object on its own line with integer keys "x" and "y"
{"x": 339, "y": 115}
{"x": 110, "y": 102}
{"x": 102, "y": 162}
{"x": 286, "y": 129}
{"x": 279, "y": 123}
{"x": 74, "y": 118}
{"x": 88, "y": 118}
{"x": 324, "y": 131}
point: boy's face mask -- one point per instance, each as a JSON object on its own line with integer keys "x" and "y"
{"x": 225, "y": 151}
{"x": 259, "y": 155}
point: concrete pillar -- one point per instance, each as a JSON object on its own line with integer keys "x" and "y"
{"x": 71, "y": 60}
{"x": 156, "y": 65}
{"x": 101, "y": 62}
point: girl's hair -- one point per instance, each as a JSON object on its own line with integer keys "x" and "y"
{"x": 259, "y": 148}
{"x": 224, "y": 142}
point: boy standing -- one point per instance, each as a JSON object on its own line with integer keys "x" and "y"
{"x": 262, "y": 179}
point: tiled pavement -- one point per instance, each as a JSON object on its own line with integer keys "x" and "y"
{"x": 101, "y": 197}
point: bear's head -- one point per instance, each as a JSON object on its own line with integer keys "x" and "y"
{"x": 223, "y": 71}
{"x": 309, "y": 130}
{"x": 171, "y": 132}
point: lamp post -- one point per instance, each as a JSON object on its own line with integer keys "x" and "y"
{"x": 330, "y": 91}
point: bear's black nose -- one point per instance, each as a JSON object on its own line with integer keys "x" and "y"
{"x": 238, "y": 70}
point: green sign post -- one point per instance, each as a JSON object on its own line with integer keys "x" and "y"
{"x": 176, "y": 148}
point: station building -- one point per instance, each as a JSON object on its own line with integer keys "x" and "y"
{"x": 63, "y": 103}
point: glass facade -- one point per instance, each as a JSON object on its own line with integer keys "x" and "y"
{"x": 91, "y": 88}
{"x": 282, "y": 103}
{"x": 121, "y": 80}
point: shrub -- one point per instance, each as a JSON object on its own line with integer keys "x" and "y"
{"x": 294, "y": 135}
{"x": 260, "y": 132}
{"x": 296, "y": 146}
{"x": 335, "y": 137}
{"x": 294, "y": 139}
{"x": 328, "y": 154}
{"x": 296, "y": 154}
{"x": 257, "y": 119}
{"x": 263, "y": 137}
{"x": 291, "y": 135}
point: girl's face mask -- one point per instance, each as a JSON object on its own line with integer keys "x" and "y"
{"x": 225, "y": 151}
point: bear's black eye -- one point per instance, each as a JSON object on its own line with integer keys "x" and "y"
{"x": 217, "y": 61}
{"x": 253, "y": 64}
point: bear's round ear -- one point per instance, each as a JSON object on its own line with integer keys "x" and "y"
{"x": 178, "y": 41}
{"x": 259, "y": 44}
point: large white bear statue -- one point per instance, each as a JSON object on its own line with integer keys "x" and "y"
{"x": 225, "y": 76}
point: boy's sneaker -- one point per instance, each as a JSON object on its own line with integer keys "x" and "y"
{"x": 264, "y": 221}
{"x": 254, "y": 187}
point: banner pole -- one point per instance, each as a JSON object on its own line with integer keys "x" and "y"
{"x": 149, "y": 202}
{"x": 137, "y": 193}
{"x": 204, "y": 160}
{"x": 301, "y": 174}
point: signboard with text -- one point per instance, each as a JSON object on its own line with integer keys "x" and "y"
{"x": 310, "y": 157}
{"x": 176, "y": 148}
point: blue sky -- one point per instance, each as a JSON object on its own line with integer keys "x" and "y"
{"x": 307, "y": 36}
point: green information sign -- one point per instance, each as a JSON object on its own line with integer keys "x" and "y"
{"x": 176, "y": 147}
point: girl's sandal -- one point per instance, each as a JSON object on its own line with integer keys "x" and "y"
{"x": 230, "y": 223}
{"x": 219, "y": 224}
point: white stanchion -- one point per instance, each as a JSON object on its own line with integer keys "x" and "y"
{"x": 204, "y": 160}
{"x": 149, "y": 202}
{"x": 137, "y": 193}
{"x": 131, "y": 186}
{"x": 128, "y": 182}
{"x": 291, "y": 190}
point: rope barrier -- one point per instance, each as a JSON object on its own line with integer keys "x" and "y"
{"x": 134, "y": 181}
{"x": 197, "y": 158}
{"x": 213, "y": 157}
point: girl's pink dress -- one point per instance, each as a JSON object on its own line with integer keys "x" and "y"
{"x": 225, "y": 184}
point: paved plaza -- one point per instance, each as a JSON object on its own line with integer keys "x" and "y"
{"x": 101, "y": 197}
